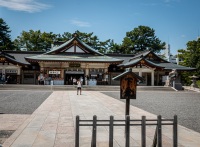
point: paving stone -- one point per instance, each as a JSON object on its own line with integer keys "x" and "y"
{"x": 56, "y": 128}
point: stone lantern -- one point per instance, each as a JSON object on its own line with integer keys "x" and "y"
{"x": 172, "y": 77}
{"x": 194, "y": 79}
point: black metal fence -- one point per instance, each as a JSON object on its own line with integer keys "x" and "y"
{"x": 157, "y": 141}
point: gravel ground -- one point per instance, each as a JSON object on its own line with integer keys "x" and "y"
{"x": 21, "y": 102}
{"x": 186, "y": 105}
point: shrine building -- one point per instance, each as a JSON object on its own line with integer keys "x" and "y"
{"x": 75, "y": 59}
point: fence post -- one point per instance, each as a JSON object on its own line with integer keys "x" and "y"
{"x": 159, "y": 131}
{"x": 77, "y": 132}
{"x": 155, "y": 137}
{"x": 143, "y": 131}
{"x": 127, "y": 130}
{"x": 94, "y": 131}
{"x": 111, "y": 132}
{"x": 175, "y": 131}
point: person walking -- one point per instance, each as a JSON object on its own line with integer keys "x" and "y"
{"x": 78, "y": 86}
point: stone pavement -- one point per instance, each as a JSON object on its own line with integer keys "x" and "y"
{"x": 52, "y": 124}
{"x": 9, "y": 123}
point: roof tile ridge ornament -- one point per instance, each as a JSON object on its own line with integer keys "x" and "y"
{"x": 75, "y": 35}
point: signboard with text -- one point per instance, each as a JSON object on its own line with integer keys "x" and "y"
{"x": 54, "y": 72}
{"x": 74, "y": 65}
{"x": 128, "y": 87}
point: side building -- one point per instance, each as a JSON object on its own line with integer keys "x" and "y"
{"x": 153, "y": 69}
{"x": 16, "y": 70}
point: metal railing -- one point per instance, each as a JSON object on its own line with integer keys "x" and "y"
{"x": 157, "y": 141}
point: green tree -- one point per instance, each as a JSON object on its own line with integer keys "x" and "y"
{"x": 35, "y": 40}
{"x": 38, "y": 41}
{"x": 94, "y": 42}
{"x": 5, "y": 40}
{"x": 47, "y": 39}
{"x": 114, "y": 47}
{"x": 64, "y": 37}
{"x": 140, "y": 39}
{"x": 190, "y": 57}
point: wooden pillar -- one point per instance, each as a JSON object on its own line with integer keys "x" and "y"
{"x": 152, "y": 78}
{"x": 105, "y": 71}
{"x": 19, "y": 74}
{"x": 86, "y": 73}
{"x": 140, "y": 73}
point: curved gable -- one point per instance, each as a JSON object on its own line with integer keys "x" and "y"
{"x": 74, "y": 45}
{"x": 139, "y": 62}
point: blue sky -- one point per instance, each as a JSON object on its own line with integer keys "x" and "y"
{"x": 175, "y": 21}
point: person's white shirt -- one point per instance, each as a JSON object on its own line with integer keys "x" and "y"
{"x": 78, "y": 84}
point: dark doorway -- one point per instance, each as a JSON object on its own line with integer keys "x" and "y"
{"x": 11, "y": 78}
{"x": 28, "y": 78}
{"x": 69, "y": 78}
{"x": 148, "y": 79}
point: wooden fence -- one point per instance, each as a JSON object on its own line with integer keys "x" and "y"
{"x": 157, "y": 141}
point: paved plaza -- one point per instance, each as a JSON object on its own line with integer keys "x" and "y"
{"x": 185, "y": 104}
{"x": 52, "y": 123}
{"x": 21, "y": 102}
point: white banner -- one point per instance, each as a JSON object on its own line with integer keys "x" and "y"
{"x": 54, "y": 72}
{"x": 11, "y": 71}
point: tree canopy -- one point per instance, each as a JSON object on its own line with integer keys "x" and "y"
{"x": 34, "y": 40}
{"x": 190, "y": 57}
{"x": 5, "y": 40}
{"x": 191, "y": 54}
{"x": 94, "y": 42}
{"x": 140, "y": 39}
{"x": 41, "y": 41}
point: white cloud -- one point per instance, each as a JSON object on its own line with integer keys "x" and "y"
{"x": 80, "y": 23}
{"x": 30, "y": 6}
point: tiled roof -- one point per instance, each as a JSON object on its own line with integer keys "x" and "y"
{"x": 18, "y": 57}
{"x": 170, "y": 66}
{"x": 74, "y": 58}
{"x": 89, "y": 47}
{"x": 137, "y": 60}
{"x": 57, "y": 55}
{"x": 130, "y": 63}
{"x": 164, "y": 64}
{"x": 118, "y": 77}
{"x": 21, "y": 57}
{"x": 124, "y": 57}
{"x": 58, "y": 47}
{"x": 138, "y": 55}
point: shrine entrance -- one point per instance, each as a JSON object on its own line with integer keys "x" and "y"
{"x": 70, "y": 75}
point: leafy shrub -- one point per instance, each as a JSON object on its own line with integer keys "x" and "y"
{"x": 198, "y": 83}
